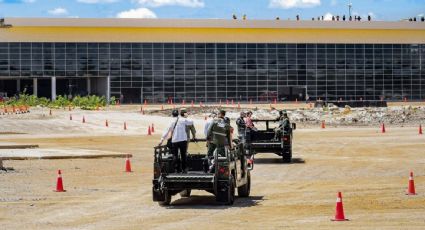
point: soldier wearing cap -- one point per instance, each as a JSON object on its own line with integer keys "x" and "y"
{"x": 240, "y": 122}
{"x": 284, "y": 125}
{"x": 219, "y": 136}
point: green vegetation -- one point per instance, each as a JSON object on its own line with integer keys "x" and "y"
{"x": 87, "y": 102}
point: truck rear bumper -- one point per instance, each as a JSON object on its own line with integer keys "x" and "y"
{"x": 181, "y": 181}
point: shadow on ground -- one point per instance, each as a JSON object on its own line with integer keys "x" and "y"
{"x": 208, "y": 202}
{"x": 278, "y": 161}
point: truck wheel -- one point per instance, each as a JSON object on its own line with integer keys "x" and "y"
{"x": 167, "y": 200}
{"x": 245, "y": 189}
{"x": 185, "y": 193}
{"x": 287, "y": 156}
{"x": 228, "y": 196}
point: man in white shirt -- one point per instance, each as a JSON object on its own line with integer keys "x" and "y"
{"x": 179, "y": 139}
{"x": 209, "y": 122}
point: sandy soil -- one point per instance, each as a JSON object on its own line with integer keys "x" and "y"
{"x": 370, "y": 168}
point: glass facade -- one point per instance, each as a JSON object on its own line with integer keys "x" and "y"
{"x": 210, "y": 72}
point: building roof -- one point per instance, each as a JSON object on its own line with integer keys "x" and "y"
{"x": 212, "y": 23}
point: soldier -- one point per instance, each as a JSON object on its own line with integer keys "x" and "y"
{"x": 284, "y": 125}
{"x": 218, "y": 136}
{"x": 240, "y": 122}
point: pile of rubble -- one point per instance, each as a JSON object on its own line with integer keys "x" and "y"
{"x": 332, "y": 115}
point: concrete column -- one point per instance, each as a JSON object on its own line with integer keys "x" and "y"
{"x": 53, "y": 88}
{"x": 108, "y": 89}
{"x": 35, "y": 87}
{"x": 18, "y": 86}
{"x": 88, "y": 86}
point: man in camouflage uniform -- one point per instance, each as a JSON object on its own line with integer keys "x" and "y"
{"x": 219, "y": 136}
{"x": 284, "y": 125}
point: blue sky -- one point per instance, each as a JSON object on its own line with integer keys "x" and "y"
{"x": 254, "y": 9}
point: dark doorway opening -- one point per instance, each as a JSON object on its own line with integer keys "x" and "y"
{"x": 71, "y": 87}
{"x": 292, "y": 93}
{"x": 8, "y": 88}
{"x": 27, "y": 86}
{"x": 131, "y": 95}
{"x": 44, "y": 88}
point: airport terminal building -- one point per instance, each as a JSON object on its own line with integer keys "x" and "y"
{"x": 210, "y": 60}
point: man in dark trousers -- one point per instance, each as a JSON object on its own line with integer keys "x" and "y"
{"x": 218, "y": 137}
{"x": 178, "y": 132}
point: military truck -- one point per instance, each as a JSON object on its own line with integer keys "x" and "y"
{"x": 263, "y": 140}
{"x": 231, "y": 172}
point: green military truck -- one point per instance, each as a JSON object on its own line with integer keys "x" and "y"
{"x": 231, "y": 172}
{"x": 262, "y": 140}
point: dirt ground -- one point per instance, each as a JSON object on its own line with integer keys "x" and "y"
{"x": 371, "y": 169}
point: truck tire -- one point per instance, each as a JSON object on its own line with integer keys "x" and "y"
{"x": 167, "y": 200}
{"x": 228, "y": 196}
{"x": 245, "y": 189}
{"x": 287, "y": 156}
{"x": 185, "y": 193}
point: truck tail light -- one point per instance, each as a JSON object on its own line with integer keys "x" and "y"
{"x": 223, "y": 171}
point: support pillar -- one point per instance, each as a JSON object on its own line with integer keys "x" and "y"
{"x": 108, "y": 89}
{"x": 88, "y": 86}
{"x": 53, "y": 88}
{"x": 35, "y": 87}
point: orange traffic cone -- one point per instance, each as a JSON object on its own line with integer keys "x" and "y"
{"x": 127, "y": 164}
{"x": 84, "y": 119}
{"x": 106, "y": 123}
{"x": 191, "y": 104}
{"x": 383, "y": 128}
{"x": 162, "y": 107}
{"x": 59, "y": 183}
{"x": 323, "y": 125}
{"x": 149, "y": 131}
{"x": 70, "y": 117}
{"x": 153, "y": 128}
{"x": 339, "y": 215}
{"x": 125, "y": 125}
{"x": 420, "y": 129}
{"x": 411, "y": 189}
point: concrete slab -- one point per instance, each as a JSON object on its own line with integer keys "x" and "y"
{"x": 26, "y": 154}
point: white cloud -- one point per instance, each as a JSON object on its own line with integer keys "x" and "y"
{"x": 58, "y": 11}
{"x": 287, "y": 4}
{"x": 29, "y": 1}
{"x": 185, "y": 3}
{"x": 96, "y": 1}
{"x": 328, "y": 17}
{"x": 137, "y": 13}
{"x": 334, "y": 2}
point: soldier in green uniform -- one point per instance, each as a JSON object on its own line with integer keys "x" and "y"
{"x": 284, "y": 125}
{"x": 219, "y": 135}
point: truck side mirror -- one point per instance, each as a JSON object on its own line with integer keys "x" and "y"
{"x": 294, "y": 126}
